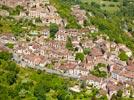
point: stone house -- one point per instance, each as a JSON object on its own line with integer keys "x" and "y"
{"x": 92, "y": 80}
{"x": 7, "y": 38}
{"x": 113, "y": 87}
{"x": 73, "y": 69}
{"x": 93, "y": 29}
{"x": 34, "y": 61}
{"x": 61, "y": 35}
{"x": 122, "y": 74}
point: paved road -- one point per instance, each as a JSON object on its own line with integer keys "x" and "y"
{"x": 51, "y": 71}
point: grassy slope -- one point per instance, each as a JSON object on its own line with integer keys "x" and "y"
{"x": 7, "y": 24}
{"x": 107, "y": 3}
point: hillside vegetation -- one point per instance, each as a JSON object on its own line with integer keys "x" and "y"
{"x": 17, "y": 83}
{"x": 64, "y": 9}
{"x": 109, "y": 22}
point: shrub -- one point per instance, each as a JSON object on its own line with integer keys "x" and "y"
{"x": 53, "y": 30}
{"x": 79, "y": 56}
{"x": 123, "y": 56}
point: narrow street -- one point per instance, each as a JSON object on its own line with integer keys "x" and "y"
{"x": 51, "y": 71}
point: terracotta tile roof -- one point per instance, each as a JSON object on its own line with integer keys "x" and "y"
{"x": 127, "y": 74}
{"x": 35, "y": 59}
{"x": 94, "y": 78}
{"x": 89, "y": 58}
{"x": 113, "y": 87}
{"x": 130, "y": 67}
{"x": 91, "y": 77}
{"x": 82, "y": 68}
{"x": 67, "y": 66}
{"x": 96, "y": 52}
{"x": 36, "y": 46}
{"x": 117, "y": 69}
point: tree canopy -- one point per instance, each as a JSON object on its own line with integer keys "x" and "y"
{"x": 69, "y": 44}
{"x": 123, "y": 56}
{"x": 79, "y": 56}
{"x": 53, "y": 30}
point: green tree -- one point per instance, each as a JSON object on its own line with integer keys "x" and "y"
{"x": 5, "y": 55}
{"x": 119, "y": 93}
{"x": 3, "y": 93}
{"x": 38, "y": 20}
{"x": 95, "y": 4}
{"x": 53, "y": 30}
{"x": 83, "y": 84}
{"x": 69, "y": 44}
{"x": 11, "y": 78}
{"x": 131, "y": 93}
{"x": 103, "y": 97}
{"x": 114, "y": 97}
{"x": 86, "y": 51}
{"x": 86, "y": 23}
{"x": 63, "y": 95}
{"x": 97, "y": 71}
{"x": 9, "y": 66}
{"x": 79, "y": 56}
{"x": 10, "y": 45}
{"x": 128, "y": 8}
{"x": 123, "y": 56}
{"x": 115, "y": 0}
{"x": 41, "y": 89}
{"x": 16, "y": 29}
{"x": 12, "y": 92}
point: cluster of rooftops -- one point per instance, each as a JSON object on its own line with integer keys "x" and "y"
{"x": 40, "y": 51}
